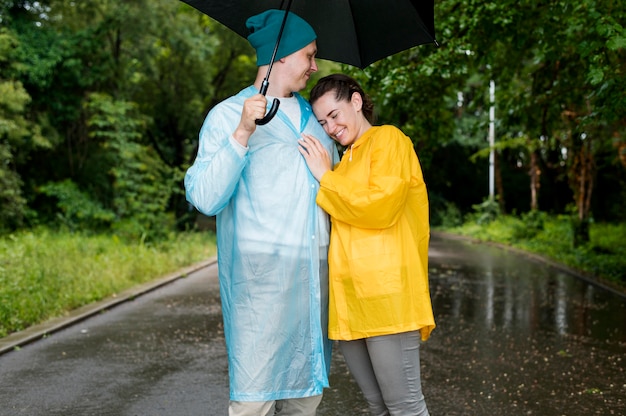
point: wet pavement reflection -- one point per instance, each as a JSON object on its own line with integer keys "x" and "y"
{"x": 517, "y": 337}
{"x": 514, "y": 337}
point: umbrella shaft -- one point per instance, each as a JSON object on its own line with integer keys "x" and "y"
{"x": 264, "y": 86}
{"x": 280, "y": 35}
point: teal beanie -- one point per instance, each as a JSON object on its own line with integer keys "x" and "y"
{"x": 264, "y": 30}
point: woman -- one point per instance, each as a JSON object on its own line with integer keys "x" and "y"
{"x": 380, "y": 307}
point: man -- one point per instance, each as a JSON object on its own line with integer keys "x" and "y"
{"x": 272, "y": 238}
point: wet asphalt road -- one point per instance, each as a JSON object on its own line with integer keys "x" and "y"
{"x": 514, "y": 337}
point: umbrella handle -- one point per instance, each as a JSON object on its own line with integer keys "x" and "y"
{"x": 273, "y": 110}
{"x": 270, "y": 114}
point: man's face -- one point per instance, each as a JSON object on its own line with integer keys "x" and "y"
{"x": 299, "y": 66}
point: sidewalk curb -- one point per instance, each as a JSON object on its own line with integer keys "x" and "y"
{"x": 587, "y": 277}
{"x": 36, "y": 332}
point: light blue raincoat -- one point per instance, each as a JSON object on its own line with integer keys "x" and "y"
{"x": 272, "y": 243}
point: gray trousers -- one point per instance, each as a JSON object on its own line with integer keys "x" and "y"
{"x": 387, "y": 370}
{"x": 305, "y": 406}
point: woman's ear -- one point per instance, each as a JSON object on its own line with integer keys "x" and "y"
{"x": 357, "y": 101}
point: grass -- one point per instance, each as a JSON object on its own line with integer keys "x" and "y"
{"x": 44, "y": 274}
{"x": 604, "y": 257}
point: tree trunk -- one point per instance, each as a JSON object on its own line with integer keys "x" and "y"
{"x": 582, "y": 174}
{"x": 534, "y": 173}
{"x": 499, "y": 184}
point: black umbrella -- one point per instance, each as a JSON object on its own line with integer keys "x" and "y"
{"x": 354, "y": 32}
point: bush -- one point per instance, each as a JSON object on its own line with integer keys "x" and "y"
{"x": 76, "y": 210}
{"x": 485, "y": 212}
{"x": 444, "y": 213}
{"x": 531, "y": 224}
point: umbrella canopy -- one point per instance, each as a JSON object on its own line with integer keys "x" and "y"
{"x": 354, "y": 32}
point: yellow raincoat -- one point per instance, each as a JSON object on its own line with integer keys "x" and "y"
{"x": 378, "y": 256}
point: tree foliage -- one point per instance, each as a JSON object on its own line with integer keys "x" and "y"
{"x": 101, "y": 103}
{"x": 118, "y": 90}
{"x": 559, "y": 69}
{"x": 19, "y": 135}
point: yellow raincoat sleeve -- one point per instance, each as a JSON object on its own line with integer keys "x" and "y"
{"x": 374, "y": 195}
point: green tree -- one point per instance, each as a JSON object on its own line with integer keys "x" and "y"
{"x": 18, "y": 135}
{"x": 141, "y": 183}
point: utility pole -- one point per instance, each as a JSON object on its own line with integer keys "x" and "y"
{"x": 492, "y": 134}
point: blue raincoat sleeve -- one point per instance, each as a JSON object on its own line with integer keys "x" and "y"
{"x": 272, "y": 251}
{"x": 213, "y": 178}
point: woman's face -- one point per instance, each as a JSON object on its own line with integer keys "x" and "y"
{"x": 342, "y": 120}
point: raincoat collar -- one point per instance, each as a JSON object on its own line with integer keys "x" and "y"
{"x": 358, "y": 142}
